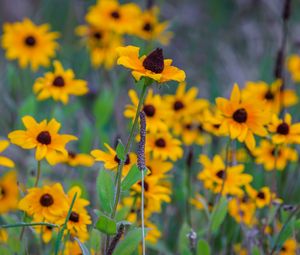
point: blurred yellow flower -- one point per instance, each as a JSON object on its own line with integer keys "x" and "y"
{"x": 219, "y": 178}
{"x": 29, "y": 43}
{"x": 272, "y": 97}
{"x": 46, "y": 232}
{"x": 59, "y": 85}
{"x": 75, "y": 159}
{"x": 9, "y": 192}
{"x": 3, "y": 236}
{"x": 4, "y": 161}
{"x": 46, "y": 203}
{"x": 119, "y": 18}
{"x": 266, "y": 154}
{"x": 43, "y": 136}
{"x": 283, "y": 131}
{"x": 289, "y": 247}
{"x": 262, "y": 197}
{"x": 101, "y": 44}
{"x": 242, "y": 118}
{"x": 111, "y": 160}
{"x": 293, "y": 66}
{"x": 153, "y": 65}
{"x": 149, "y": 28}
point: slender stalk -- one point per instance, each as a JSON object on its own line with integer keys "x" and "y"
{"x": 38, "y": 174}
{"x": 23, "y": 224}
{"x": 142, "y": 213}
{"x": 188, "y": 186}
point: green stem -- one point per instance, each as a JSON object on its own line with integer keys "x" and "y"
{"x": 23, "y": 224}
{"x": 38, "y": 173}
{"x": 188, "y": 188}
{"x": 118, "y": 179}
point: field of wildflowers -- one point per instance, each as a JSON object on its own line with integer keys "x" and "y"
{"x": 149, "y": 127}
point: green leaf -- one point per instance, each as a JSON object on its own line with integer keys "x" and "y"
{"x": 83, "y": 248}
{"x": 218, "y": 215}
{"x": 120, "y": 150}
{"x": 105, "y": 190}
{"x": 183, "y": 242}
{"x": 106, "y": 225}
{"x": 203, "y": 247}
{"x": 131, "y": 178}
{"x": 130, "y": 242}
{"x": 255, "y": 251}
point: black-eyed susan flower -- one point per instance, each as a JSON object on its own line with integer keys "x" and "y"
{"x": 212, "y": 121}
{"x": 217, "y": 177}
{"x": 71, "y": 248}
{"x": 43, "y": 136}
{"x": 272, "y": 97}
{"x": 111, "y": 160}
{"x": 119, "y": 18}
{"x": 274, "y": 157}
{"x": 154, "y": 109}
{"x": 79, "y": 217}
{"x": 59, "y": 85}
{"x": 29, "y": 43}
{"x": 242, "y": 209}
{"x": 9, "y": 192}
{"x": 149, "y": 28}
{"x": 163, "y": 145}
{"x": 157, "y": 167}
{"x": 293, "y": 66}
{"x": 75, "y": 159}
{"x": 242, "y": 118}
{"x": 283, "y": 131}
{"x": 153, "y": 234}
{"x": 153, "y": 65}
{"x": 46, "y": 203}
{"x": 289, "y": 247}
{"x": 4, "y": 161}
{"x": 101, "y": 44}
{"x": 262, "y": 197}
{"x": 46, "y": 232}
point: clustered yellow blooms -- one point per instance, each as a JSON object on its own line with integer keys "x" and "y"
{"x": 50, "y": 204}
{"x": 108, "y": 21}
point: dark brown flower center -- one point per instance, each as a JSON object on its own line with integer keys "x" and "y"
{"x": 97, "y": 35}
{"x": 146, "y": 185}
{"x": 283, "y": 128}
{"x": 216, "y": 126}
{"x": 58, "y": 81}
{"x": 188, "y": 126}
{"x": 49, "y": 227}
{"x": 46, "y": 200}
{"x": 178, "y": 105}
{"x": 283, "y": 248}
{"x": 72, "y": 154}
{"x": 220, "y": 174}
{"x": 269, "y": 95}
{"x": 147, "y": 27}
{"x": 154, "y": 62}
{"x": 74, "y": 217}
{"x": 30, "y": 41}
{"x": 127, "y": 161}
{"x": 149, "y": 110}
{"x": 44, "y": 137}
{"x": 160, "y": 143}
{"x": 240, "y": 115}
{"x": 261, "y": 195}
{"x": 115, "y": 14}
{"x": 273, "y": 152}
{"x": 245, "y": 199}
{"x": 2, "y": 192}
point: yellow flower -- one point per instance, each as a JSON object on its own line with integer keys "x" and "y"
{"x": 79, "y": 217}
{"x": 197, "y": 201}
{"x": 59, "y": 85}
{"x": 114, "y": 16}
{"x": 29, "y": 43}
{"x": 71, "y": 248}
{"x": 240, "y": 155}
{"x": 272, "y": 97}
{"x": 266, "y": 154}
{"x": 212, "y": 121}
{"x": 217, "y": 177}
{"x": 242, "y": 210}
{"x": 293, "y": 65}
{"x": 101, "y": 44}
{"x": 153, "y": 66}
{"x": 242, "y": 118}
{"x": 154, "y": 108}
{"x": 46, "y": 232}
{"x": 153, "y": 234}
{"x": 76, "y": 159}
{"x": 111, "y": 160}
{"x": 157, "y": 167}
{"x": 4, "y": 161}
{"x": 43, "y": 136}
{"x": 263, "y": 197}
{"x": 9, "y": 192}
{"x": 45, "y": 203}
{"x": 283, "y": 131}
{"x": 149, "y": 28}
{"x": 3, "y": 236}
{"x": 289, "y": 247}
{"x": 163, "y": 146}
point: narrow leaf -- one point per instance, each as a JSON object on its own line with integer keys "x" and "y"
{"x": 131, "y": 178}
{"x": 106, "y": 225}
{"x": 218, "y": 214}
{"x": 203, "y": 247}
{"x": 120, "y": 150}
{"x": 83, "y": 248}
{"x": 105, "y": 190}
